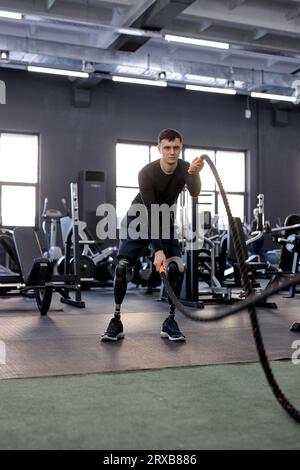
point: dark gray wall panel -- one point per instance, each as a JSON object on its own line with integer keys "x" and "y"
{"x": 74, "y": 138}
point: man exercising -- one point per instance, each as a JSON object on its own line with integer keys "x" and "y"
{"x": 160, "y": 182}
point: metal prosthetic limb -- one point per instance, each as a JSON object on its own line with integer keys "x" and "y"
{"x": 120, "y": 283}
{"x": 175, "y": 277}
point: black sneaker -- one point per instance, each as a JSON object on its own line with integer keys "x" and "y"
{"x": 114, "y": 331}
{"x": 171, "y": 330}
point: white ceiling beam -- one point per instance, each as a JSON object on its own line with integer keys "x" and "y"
{"x": 136, "y": 11}
{"x": 60, "y": 55}
{"x": 60, "y": 50}
{"x": 203, "y": 12}
{"x": 94, "y": 28}
{"x": 108, "y": 17}
{"x": 250, "y": 15}
{"x": 125, "y": 19}
{"x": 73, "y": 35}
{"x": 82, "y": 13}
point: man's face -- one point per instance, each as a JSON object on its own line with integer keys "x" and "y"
{"x": 170, "y": 150}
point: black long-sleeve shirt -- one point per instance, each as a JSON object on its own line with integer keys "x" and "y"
{"x": 156, "y": 187}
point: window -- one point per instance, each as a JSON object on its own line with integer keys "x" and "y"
{"x": 18, "y": 179}
{"x": 231, "y": 169}
{"x": 131, "y": 158}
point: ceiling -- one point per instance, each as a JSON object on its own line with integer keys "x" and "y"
{"x": 127, "y": 37}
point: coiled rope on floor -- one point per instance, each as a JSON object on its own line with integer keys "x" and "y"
{"x": 249, "y": 303}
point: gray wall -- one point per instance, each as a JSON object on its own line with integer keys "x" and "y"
{"x": 84, "y": 138}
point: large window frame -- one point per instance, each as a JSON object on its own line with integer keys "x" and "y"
{"x": 20, "y": 184}
{"x": 213, "y": 195}
{"x": 151, "y": 153}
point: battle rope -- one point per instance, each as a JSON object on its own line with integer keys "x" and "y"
{"x": 253, "y": 299}
{"x": 249, "y": 303}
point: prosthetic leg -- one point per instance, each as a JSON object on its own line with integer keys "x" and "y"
{"x": 175, "y": 272}
{"x": 120, "y": 284}
{"x": 170, "y": 328}
{"x": 115, "y": 328}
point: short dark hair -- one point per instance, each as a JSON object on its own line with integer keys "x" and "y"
{"x": 169, "y": 134}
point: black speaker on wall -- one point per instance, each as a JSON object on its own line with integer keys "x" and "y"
{"x": 91, "y": 193}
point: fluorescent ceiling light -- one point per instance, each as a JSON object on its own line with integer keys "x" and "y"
{"x": 209, "y": 89}
{"x": 269, "y": 96}
{"x": 139, "y": 81}
{"x": 196, "y": 42}
{"x": 68, "y": 73}
{"x": 130, "y": 31}
{"x": 10, "y": 14}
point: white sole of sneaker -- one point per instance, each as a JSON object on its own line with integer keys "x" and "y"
{"x": 112, "y": 338}
{"x": 165, "y": 335}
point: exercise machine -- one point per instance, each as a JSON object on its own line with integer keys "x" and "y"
{"x": 51, "y": 217}
{"x": 95, "y": 266}
{"x": 36, "y": 272}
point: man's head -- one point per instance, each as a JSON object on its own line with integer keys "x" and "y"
{"x": 169, "y": 134}
{"x": 170, "y": 146}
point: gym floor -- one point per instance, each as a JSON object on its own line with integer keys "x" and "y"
{"x": 63, "y": 389}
